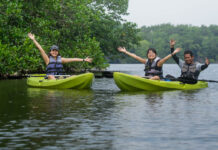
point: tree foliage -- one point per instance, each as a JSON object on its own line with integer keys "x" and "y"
{"x": 80, "y": 28}
{"x": 203, "y": 41}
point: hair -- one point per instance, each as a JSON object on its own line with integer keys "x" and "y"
{"x": 188, "y": 52}
{"x": 151, "y": 49}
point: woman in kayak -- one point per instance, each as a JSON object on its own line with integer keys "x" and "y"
{"x": 54, "y": 61}
{"x": 153, "y": 65}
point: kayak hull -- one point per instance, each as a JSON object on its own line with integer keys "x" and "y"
{"x": 82, "y": 81}
{"x": 135, "y": 83}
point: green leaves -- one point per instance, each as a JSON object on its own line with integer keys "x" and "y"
{"x": 201, "y": 40}
{"x": 80, "y": 28}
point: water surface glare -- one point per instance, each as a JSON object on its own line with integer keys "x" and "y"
{"x": 106, "y": 118}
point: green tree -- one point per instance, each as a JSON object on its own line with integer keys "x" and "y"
{"x": 201, "y": 40}
{"x": 80, "y": 27}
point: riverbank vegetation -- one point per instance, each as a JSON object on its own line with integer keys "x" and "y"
{"x": 80, "y": 28}
{"x": 203, "y": 41}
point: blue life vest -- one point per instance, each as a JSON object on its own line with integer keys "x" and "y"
{"x": 54, "y": 67}
{"x": 151, "y": 68}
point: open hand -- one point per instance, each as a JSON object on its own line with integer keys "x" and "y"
{"x": 176, "y": 51}
{"x": 121, "y": 49}
{"x": 88, "y": 59}
{"x": 207, "y": 61}
{"x": 31, "y": 36}
{"x": 172, "y": 42}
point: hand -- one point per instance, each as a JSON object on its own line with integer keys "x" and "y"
{"x": 122, "y": 49}
{"x": 207, "y": 61}
{"x": 31, "y": 36}
{"x": 176, "y": 51}
{"x": 172, "y": 42}
{"x": 88, "y": 59}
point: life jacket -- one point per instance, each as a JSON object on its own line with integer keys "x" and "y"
{"x": 151, "y": 68}
{"x": 190, "y": 71}
{"x": 54, "y": 67}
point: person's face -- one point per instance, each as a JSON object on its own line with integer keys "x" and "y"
{"x": 54, "y": 53}
{"x": 188, "y": 58}
{"x": 151, "y": 55}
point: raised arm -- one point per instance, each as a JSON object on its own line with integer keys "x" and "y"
{"x": 163, "y": 60}
{"x": 172, "y": 43}
{"x": 123, "y": 50}
{"x": 68, "y": 60}
{"x": 206, "y": 64}
{"x": 43, "y": 54}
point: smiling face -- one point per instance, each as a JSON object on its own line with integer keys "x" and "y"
{"x": 54, "y": 53}
{"x": 151, "y": 55}
{"x": 188, "y": 58}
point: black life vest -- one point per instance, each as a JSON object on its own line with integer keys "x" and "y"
{"x": 54, "y": 67}
{"x": 151, "y": 68}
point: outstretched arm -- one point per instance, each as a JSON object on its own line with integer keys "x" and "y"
{"x": 43, "y": 54}
{"x": 162, "y": 61}
{"x": 68, "y": 60}
{"x": 123, "y": 50}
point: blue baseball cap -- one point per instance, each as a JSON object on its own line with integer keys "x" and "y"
{"x": 54, "y": 47}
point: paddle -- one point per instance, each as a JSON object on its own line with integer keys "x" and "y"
{"x": 170, "y": 77}
{"x": 208, "y": 80}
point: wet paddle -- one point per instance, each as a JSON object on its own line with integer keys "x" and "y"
{"x": 170, "y": 77}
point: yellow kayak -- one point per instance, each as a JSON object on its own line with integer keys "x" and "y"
{"x": 134, "y": 83}
{"x": 82, "y": 81}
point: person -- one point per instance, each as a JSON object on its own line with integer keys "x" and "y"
{"x": 153, "y": 65}
{"x": 54, "y": 61}
{"x": 190, "y": 69}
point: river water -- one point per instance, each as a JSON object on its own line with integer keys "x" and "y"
{"x": 106, "y": 118}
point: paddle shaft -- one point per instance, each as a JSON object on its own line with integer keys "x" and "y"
{"x": 170, "y": 77}
{"x": 176, "y": 79}
{"x": 208, "y": 80}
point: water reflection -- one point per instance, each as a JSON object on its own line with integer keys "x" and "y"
{"x": 150, "y": 97}
{"x": 13, "y": 100}
{"x": 79, "y": 116}
{"x": 51, "y": 100}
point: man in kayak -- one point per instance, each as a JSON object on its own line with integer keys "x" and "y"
{"x": 54, "y": 61}
{"x": 190, "y": 69}
{"x": 153, "y": 65}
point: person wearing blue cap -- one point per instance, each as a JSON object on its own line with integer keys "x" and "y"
{"x": 54, "y": 61}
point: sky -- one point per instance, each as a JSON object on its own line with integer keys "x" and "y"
{"x": 191, "y": 12}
